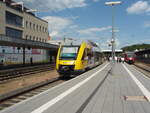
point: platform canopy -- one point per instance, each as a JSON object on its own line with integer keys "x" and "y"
{"x": 8, "y": 41}
{"x": 117, "y": 50}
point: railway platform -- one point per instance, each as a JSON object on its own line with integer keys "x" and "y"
{"x": 108, "y": 88}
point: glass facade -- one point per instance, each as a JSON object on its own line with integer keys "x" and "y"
{"x": 13, "y": 33}
{"x": 14, "y": 19}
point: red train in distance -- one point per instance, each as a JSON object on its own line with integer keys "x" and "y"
{"x": 129, "y": 57}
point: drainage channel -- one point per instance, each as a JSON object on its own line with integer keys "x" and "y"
{"x": 135, "y": 98}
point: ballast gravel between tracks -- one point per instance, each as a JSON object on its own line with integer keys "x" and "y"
{"x": 26, "y": 89}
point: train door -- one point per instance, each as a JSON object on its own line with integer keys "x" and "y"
{"x": 91, "y": 60}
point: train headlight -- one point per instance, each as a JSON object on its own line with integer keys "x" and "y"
{"x": 70, "y": 63}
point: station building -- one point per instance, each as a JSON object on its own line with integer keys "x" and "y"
{"x": 17, "y": 22}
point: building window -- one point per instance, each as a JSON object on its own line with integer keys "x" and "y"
{"x": 26, "y": 37}
{"x": 14, "y": 19}
{"x": 3, "y": 50}
{"x": 37, "y": 39}
{"x": 40, "y": 40}
{"x": 26, "y": 24}
{"x": 34, "y": 38}
{"x": 45, "y": 29}
{"x": 30, "y": 25}
{"x": 37, "y": 27}
{"x": 34, "y": 26}
{"x": 30, "y": 37}
{"x": 40, "y": 28}
{"x": 14, "y": 33}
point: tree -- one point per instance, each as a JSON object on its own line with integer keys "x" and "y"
{"x": 136, "y": 47}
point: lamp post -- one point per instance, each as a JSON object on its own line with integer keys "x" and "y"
{"x": 112, "y": 4}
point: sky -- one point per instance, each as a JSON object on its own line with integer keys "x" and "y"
{"x": 92, "y": 20}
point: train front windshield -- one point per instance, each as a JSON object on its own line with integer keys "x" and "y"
{"x": 69, "y": 52}
{"x": 130, "y": 55}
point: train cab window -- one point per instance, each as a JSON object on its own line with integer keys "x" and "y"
{"x": 69, "y": 52}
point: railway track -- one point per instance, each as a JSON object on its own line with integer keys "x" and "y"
{"x": 24, "y": 71}
{"x": 143, "y": 69}
{"x": 25, "y": 95}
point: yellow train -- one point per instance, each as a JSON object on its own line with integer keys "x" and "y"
{"x": 75, "y": 59}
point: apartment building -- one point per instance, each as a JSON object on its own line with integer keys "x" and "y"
{"x": 17, "y": 22}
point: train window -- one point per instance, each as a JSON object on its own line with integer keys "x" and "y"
{"x": 130, "y": 55}
{"x": 84, "y": 57}
{"x": 69, "y": 52}
{"x": 90, "y": 54}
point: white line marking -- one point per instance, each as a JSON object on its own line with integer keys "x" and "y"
{"x": 64, "y": 94}
{"x": 42, "y": 93}
{"x": 139, "y": 84}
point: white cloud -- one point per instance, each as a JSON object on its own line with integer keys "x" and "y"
{"x": 93, "y": 30}
{"x": 53, "y": 5}
{"x": 54, "y": 33}
{"x": 57, "y": 23}
{"x": 106, "y": 44}
{"x": 58, "y": 26}
{"x": 139, "y": 7}
{"x": 117, "y": 42}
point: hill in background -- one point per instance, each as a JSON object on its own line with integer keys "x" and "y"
{"x": 136, "y": 47}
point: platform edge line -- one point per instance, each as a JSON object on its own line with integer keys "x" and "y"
{"x": 64, "y": 94}
{"x": 138, "y": 83}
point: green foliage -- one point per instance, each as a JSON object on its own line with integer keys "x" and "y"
{"x": 136, "y": 46}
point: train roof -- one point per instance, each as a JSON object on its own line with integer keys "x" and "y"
{"x": 90, "y": 44}
{"x": 79, "y": 42}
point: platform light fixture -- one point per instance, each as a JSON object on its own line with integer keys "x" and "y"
{"x": 112, "y": 4}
